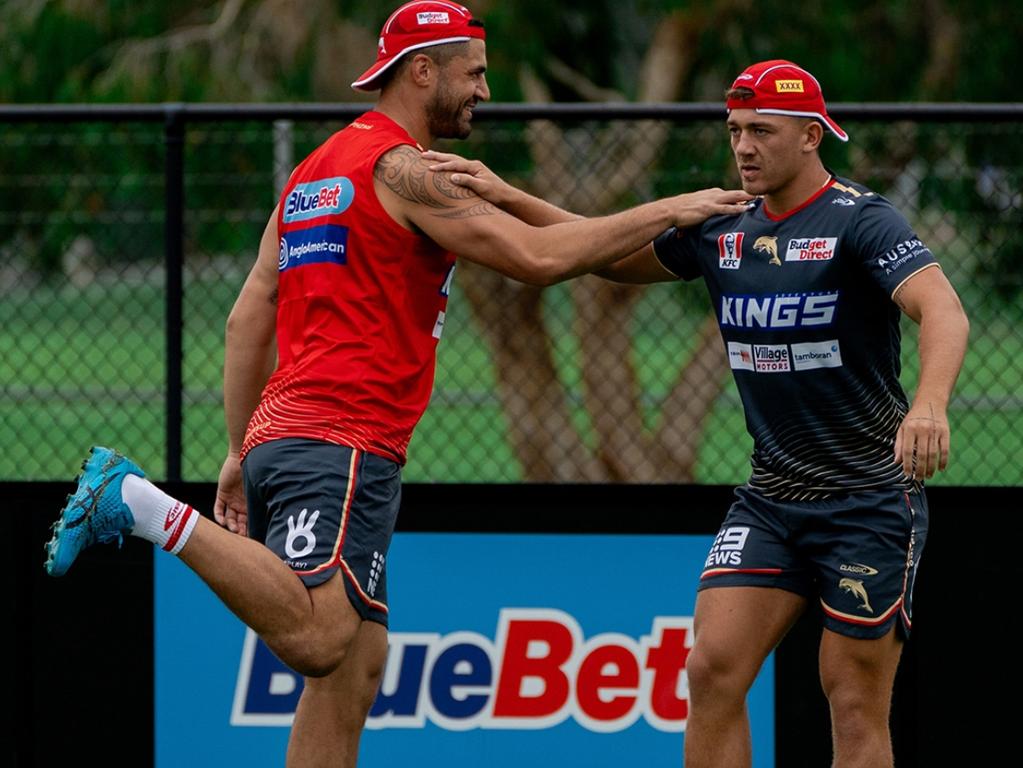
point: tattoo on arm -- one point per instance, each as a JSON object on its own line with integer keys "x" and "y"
{"x": 442, "y": 181}
{"x": 405, "y": 173}
{"x": 482, "y": 208}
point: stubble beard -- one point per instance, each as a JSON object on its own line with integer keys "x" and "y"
{"x": 444, "y": 114}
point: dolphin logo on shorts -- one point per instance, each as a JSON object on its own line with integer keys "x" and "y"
{"x": 856, "y": 587}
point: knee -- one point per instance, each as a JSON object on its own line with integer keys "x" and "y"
{"x": 313, "y": 654}
{"x": 856, "y": 709}
{"x": 715, "y": 676}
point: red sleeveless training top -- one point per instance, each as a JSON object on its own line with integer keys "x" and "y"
{"x": 360, "y": 306}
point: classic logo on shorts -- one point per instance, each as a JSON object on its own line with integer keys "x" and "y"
{"x": 789, "y": 86}
{"x": 301, "y": 531}
{"x": 811, "y": 249}
{"x": 730, "y": 250}
{"x": 858, "y": 568}
{"x": 768, "y": 244}
{"x": 323, "y": 197}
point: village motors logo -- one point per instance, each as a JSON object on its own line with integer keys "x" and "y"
{"x": 538, "y": 671}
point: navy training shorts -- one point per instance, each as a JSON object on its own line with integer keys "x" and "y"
{"x": 321, "y": 507}
{"x": 857, "y": 552}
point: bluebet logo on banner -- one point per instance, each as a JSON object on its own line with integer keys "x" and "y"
{"x": 539, "y": 671}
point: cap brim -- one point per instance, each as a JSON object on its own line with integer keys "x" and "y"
{"x": 830, "y": 124}
{"x": 368, "y": 80}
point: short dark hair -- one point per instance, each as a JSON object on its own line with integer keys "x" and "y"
{"x": 439, "y": 54}
{"x": 742, "y": 93}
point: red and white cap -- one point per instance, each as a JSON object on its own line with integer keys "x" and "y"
{"x": 783, "y": 88}
{"x": 417, "y": 25}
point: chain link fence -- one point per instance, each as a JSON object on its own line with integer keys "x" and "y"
{"x": 583, "y": 382}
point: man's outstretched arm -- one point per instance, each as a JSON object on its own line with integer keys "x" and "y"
{"x": 639, "y": 266}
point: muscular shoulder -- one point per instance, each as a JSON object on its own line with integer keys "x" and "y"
{"x": 403, "y": 172}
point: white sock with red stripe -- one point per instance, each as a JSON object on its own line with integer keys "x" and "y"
{"x": 159, "y": 518}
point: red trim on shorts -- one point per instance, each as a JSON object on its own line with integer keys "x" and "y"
{"x": 346, "y": 506}
{"x": 358, "y": 588}
{"x": 725, "y": 571}
{"x": 849, "y": 619}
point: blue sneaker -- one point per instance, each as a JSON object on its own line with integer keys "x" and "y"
{"x": 95, "y": 512}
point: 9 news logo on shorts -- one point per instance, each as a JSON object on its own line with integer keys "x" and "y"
{"x": 537, "y": 672}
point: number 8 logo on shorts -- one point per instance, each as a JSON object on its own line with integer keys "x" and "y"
{"x": 303, "y": 529}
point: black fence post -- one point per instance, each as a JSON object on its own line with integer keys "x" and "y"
{"x": 174, "y": 143}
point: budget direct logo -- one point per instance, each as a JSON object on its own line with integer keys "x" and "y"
{"x": 538, "y": 671}
{"x": 322, "y": 197}
{"x": 811, "y": 249}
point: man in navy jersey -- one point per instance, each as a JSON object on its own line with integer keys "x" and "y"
{"x": 807, "y": 285}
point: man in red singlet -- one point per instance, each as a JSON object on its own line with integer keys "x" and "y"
{"x": 329, "y": 364}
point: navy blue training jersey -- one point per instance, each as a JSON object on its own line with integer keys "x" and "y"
{"x": 804, "y": 304}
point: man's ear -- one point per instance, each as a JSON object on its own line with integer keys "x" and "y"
{"x": 814, "y": 136}
{"x": 423, "y": 69}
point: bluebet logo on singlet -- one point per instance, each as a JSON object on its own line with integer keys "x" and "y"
{"x": 327, "y": 243}
{"x": 322, "y": 197}
{"x": 778, "y": 311}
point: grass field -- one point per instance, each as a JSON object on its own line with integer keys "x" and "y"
{"x": 86, "y": 366}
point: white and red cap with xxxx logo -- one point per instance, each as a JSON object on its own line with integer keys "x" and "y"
{"x": 419, "y": 25}
{"x": 783, "y": 88}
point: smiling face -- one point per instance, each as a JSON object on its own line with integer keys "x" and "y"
{"x": 772, "y": 151}
{"x": 461, "y": 84}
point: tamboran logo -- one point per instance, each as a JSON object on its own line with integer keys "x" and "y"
{"x": 317, "y": 245}
{"x": 788, "y": 86}
{"x": 816, "y": 354}
{"x": 811, "y": 249}
{"x": 785, "y": 310}
{"x": 323, "y": 197}
{"x": 538, "y": 672}
{"x": 730, "y": 250}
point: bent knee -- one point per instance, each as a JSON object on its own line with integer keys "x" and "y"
{"x": 312, "y": 655}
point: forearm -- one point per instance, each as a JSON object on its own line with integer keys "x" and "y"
{"x": 248, "y": 363}
{"x": 532, "y": 210}
{"x": 572, "y": 248}
{"x": 942, "y": 347}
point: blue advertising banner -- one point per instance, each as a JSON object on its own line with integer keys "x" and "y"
{"x": 552, "y": 649}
